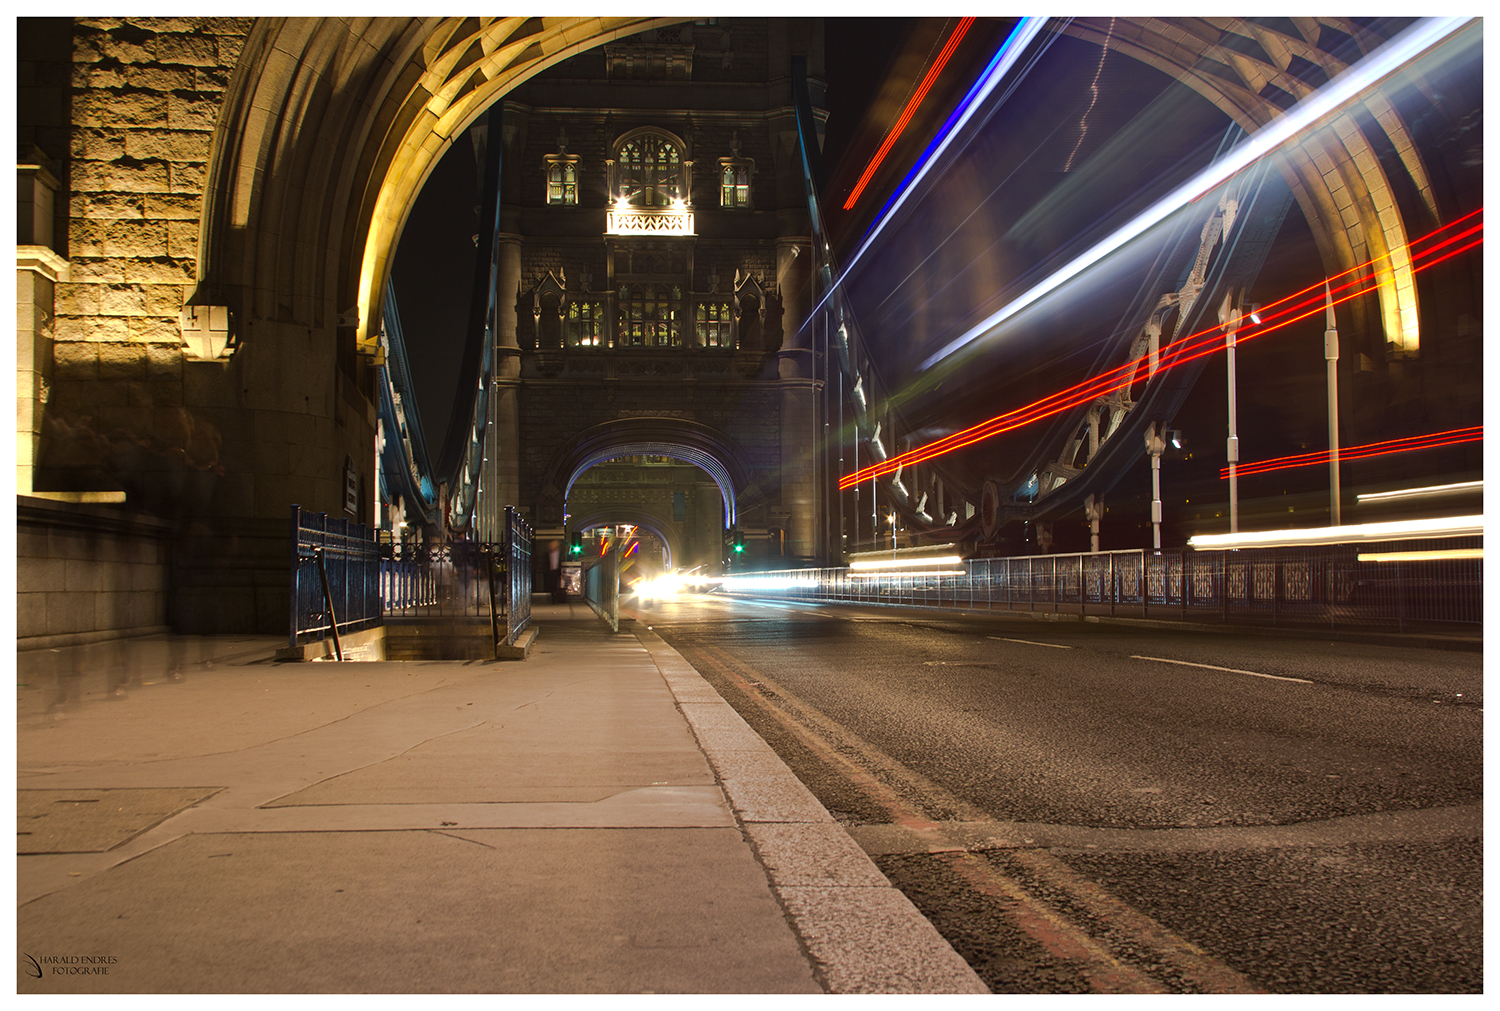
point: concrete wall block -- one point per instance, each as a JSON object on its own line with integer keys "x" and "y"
{"x": 159, "y": 78}
{"x": 166, "y": 299}
{"x": 210, "y": 79}
{"x": 273, "y": 458}
{"x": 120, "y": 108}
{"x": 164, "y": 363}
{"x": 38, "y": 575}
{"x": 106, "y": 206}
{"x": 78, "y": 360}
{"x": 188, "y": 50}
{"x": 86, "y": 238}
{"x": 122, "y": 361}
{"x": 174, "y": 206}
{"x": 96, "y": 271}
{"x": 77, "y": 299}
{"x": 135, "y": 237}
{"x": 159, "y": 270}
{"x": 70, "y": 612}
{"x": 164, "y": 26}
{"x": 92, "y": 329}
{"x": 128, "y": 44}
{"x": 122, "y": 300}
{"x": 230, "y": 44}
{"x": 186, "y": 178}
{"x": 169, "y": 145}
{"x": 228, "y": 26}
{"x": 182, "y": 238}
{"x": 161, "y": 330}
{"x": 31, "y": 614}
{"x": 183, "y": 113}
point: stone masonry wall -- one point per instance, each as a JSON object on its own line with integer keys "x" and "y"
{"x": 145, "y": 95}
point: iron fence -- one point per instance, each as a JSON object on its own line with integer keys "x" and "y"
{"x": 335, "y": 578}
{"x": 1400, "y": 584}
{"x": 518, "y": 582}
{"x": 463, "y": 579}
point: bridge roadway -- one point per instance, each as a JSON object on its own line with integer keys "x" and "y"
{"x": 1070, "y": 809}
{"x": 1084, "y": 808}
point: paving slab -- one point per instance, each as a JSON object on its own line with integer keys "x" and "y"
{"x": 592, "y": 819}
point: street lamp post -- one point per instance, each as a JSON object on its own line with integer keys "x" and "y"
{"x": 1331, "y": 356}
{"x": 1229, "y": 319}
{"x": 1156, "y": 444}
{"x": 1093, "y": 510}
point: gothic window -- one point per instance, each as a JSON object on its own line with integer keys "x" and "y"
{"x": 585, "y": 324}
{"x": 713, "y": 325}
{"x": 649, "y": 171}
{"x": 562, "y": 174}
{"x": 734, "y": 183}
{"x": 562, "y": 180}
{"x": 648, "y": 316}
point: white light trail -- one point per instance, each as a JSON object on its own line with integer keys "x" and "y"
{"x": 1447, "y": 526}
{"x": 905, "y": 563}
{"x": 1345, "y": 88}
{"x": 1436, "y": 489}
{"x": 1439, "y": 555}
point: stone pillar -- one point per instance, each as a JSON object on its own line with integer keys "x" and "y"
{"x": 38, "y": 269}
{"x": 795, "y": 366}
{"x": 502, "y": 467}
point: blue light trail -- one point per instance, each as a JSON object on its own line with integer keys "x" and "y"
{"x": 1345, "y": 88}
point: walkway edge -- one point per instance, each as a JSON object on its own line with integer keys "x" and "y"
{"x": 862, "y": 934}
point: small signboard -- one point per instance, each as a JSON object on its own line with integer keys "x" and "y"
{"x": 351, "y": 487}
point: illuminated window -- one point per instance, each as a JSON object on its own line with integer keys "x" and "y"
{"x": 562, "y": 179}
{"x": 734, "y": 183}
{"x": 648, "y": 316}
{"x": 562, "y": 174}
{"x": 585, "y": 324}
{"x": 649, "y": 171}
{"x": 713, "y": 325}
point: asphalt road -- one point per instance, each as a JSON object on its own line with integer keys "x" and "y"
{"x": 1097, "y": 808}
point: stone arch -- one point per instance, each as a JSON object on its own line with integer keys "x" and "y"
{"x": 328, "y": 130}
{"x": 674, "y": 438}
{"x": 1250, "y": 69}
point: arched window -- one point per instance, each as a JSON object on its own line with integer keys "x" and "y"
{"x": 649, "y": 171}
{"x": 649, "y": 316}
{"x": 734, "y": 183}
{"x": 562, "y": 180}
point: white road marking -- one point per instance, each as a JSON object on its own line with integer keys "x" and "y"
{"x": 1028, "y": 642}
{"x": 1229, "y": 670}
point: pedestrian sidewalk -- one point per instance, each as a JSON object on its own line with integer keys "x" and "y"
{"x": 193, "y": 817}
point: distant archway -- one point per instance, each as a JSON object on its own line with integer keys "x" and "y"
{"x": 673, "y": 438}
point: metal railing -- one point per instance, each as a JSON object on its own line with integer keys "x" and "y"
{"x": 601, "y": 587}
{"x": 335, "y": 578}
{"x": 518, "y": 582}
{"x": 1337, "y": 585}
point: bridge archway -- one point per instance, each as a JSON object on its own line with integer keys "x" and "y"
{"x": 329, "y": 129}
{"x": 642, "y": 519}
{"x": 674, "y": 438}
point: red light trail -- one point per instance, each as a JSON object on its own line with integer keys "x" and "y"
{"x": 1308, "y": 302}
{"x": 1407, "y": 445}
{"x": 911, "y": 107}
